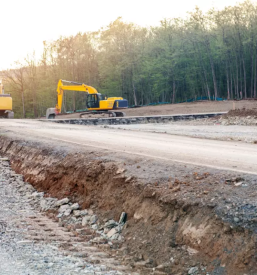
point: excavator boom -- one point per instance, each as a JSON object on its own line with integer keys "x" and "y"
{"x": 80, "y": 87}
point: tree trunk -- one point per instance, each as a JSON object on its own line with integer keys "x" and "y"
{"x": 240, "y": 75}
{"x": 228, "y": 97}
{"x": 134, "y": 93}
{"x": 35, "y": 103}
{"x": 74, "y": 101}
{"x": 236, "y": 80}
{"x": 231, "y": 86}
{"x": 23, "y": 104}
{"x": 174, "y": 92}
{"x": 244, "y": 78}
{"x": 204, "y": 73}
{"x": 212, "y": 69}
{"x": 254, "y": 83}
{"x": 252, "y": 69}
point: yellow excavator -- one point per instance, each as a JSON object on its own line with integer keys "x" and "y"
{"x": 5, "y": 103}
{"x": 95, "y": 103}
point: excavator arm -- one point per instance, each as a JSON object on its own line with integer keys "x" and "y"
{"x": 80, "y": 87}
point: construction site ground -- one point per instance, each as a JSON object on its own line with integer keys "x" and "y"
{"x": 184, "y": 108}
{"x": 189, "y": 190}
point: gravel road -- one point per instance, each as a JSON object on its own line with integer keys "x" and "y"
{"x": 232, "y": 156}
{"x": 246, "y": 134}
{"x": 19, "y": 223}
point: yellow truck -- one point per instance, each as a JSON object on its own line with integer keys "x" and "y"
{"x": 96, "y": 103}
{"x": 5, "y": 103}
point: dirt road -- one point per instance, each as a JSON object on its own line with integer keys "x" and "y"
{"x": 184, "y": 108}
{"x": 231, "y": 156}
{"x": 192, "y": 129}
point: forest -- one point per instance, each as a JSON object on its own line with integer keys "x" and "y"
{"x": 211, "y": 55}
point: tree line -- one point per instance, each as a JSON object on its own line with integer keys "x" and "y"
{"x": 211, "y": 54}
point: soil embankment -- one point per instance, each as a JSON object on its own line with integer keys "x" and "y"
{"x": 202, "y": 220}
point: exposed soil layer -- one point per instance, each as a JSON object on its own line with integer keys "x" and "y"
{"x": 241, "y": 113}
{"x": 173, "y": 224}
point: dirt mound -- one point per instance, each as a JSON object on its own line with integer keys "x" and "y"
{"x": 242, "y": 112}
{"x": 173, "y": 227}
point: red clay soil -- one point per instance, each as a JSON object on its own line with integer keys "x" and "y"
{"x": 162, "y": 229}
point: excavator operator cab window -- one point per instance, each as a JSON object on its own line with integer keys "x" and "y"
{"x": 102, "y": 97}
{"x": 93, "y": 101}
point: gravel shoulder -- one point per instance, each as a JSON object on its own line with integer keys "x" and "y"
{"x": 26, "y": 245}
{"x": 197, "y": 129}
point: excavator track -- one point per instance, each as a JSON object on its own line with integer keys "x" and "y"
{"x": 95, "y": 114}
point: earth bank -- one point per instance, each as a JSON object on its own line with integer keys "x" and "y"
{"x": 177, "y": 225}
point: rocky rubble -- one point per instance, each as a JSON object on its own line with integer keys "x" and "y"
{"x": 20, "y": 253}
{"x": 70, "y": 213}
{"x": 237, "y": 120}
{"x": 222, "y": 120}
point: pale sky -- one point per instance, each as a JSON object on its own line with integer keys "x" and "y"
{"x": 25, "y": 24}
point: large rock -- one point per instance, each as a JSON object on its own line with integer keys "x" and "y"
{"x": 93, "y": 219}
{"x": 67, "y": 212}
{"x": 44, "y": 204}
{"x": 77, "y": 213}
{"x": 116, "y": 236}
{"x": 111, "y": 232}
{"x": 84, "y": 212}
{"x": 74, "y": 206}
{"x": 37, "y": 194}
{"x": 63, "y": 208}
{"x": 61, "y": 202}
{"x": 193, "y": 270}
{"x": 86, "y": 220}
{"x": 110, "y": 224}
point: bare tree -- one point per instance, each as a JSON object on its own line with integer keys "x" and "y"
{"x": 16, "y": 79}
{"x": 32, "y": 80}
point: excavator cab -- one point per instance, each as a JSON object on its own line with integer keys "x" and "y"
{"x": 94, "y": 99}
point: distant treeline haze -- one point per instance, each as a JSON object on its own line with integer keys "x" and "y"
{"x": 212, "y": 55}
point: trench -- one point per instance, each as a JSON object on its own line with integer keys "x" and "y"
{"x": 163, "y": 232}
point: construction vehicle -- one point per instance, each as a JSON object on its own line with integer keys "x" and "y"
{"x": 5, "y": 103}
{"x": 95, "y": 102}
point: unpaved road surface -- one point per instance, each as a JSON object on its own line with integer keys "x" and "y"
{"x": 232, "y": 156}
{"x": 194, "y": 129}
{"x": 191, "y": 108}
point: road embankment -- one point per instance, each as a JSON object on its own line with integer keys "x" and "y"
{"x": 179, "y": 216}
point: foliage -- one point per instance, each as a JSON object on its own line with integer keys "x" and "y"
{"x": 212, "y": 55}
